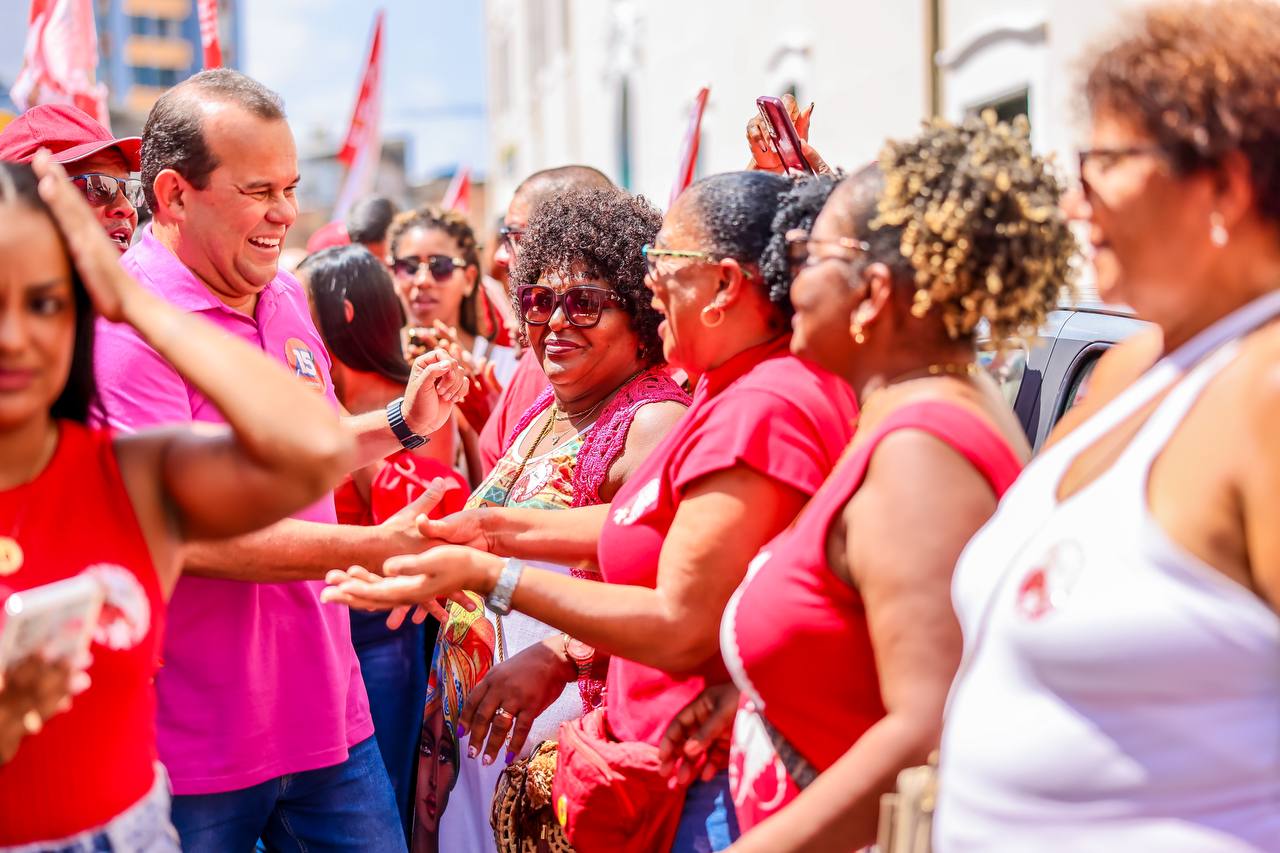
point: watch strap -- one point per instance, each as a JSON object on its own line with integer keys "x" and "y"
{"x": 409, "y": 439}
{"x": 499, "y": 601}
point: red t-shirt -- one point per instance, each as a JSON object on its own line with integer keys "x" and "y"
{"x": 795, "y": 634}
{"x": 96, "y": 760}
{"x": 764, "y": 409}
{"x": 525, "y": 386}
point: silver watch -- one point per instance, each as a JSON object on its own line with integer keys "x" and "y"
{"x": 499, "y": 601}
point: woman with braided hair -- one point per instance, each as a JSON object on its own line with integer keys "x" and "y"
{"x": 954, "y": 228}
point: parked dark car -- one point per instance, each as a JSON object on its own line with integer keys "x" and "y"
{"x": 1044, "y": 380}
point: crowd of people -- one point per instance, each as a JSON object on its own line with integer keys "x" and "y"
{"x": 636, "y": 530}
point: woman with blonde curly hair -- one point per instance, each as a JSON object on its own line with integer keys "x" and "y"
{"x": 957, "y": 227}
{"x": 1123, "y": 689}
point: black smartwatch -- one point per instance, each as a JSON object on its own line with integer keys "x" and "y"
{"x": 409, "y": 439}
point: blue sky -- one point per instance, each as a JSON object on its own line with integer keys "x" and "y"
{"x": 312, "y": 52}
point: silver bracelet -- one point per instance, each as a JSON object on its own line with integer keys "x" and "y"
{"x": 499, "y": 601}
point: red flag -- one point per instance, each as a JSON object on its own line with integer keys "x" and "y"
{"x": 689, "y": 149}
{"x": 364, "y": 119}
{"x": 362, "y": 148}
{"x": 60, "y": 61}
{"x": 458, "y": 195}
{"x": 208, "y": 13}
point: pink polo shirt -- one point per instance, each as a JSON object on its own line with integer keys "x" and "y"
{"x": 257, "y": 680}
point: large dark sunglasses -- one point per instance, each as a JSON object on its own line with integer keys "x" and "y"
{"x": 102, "y": 190}
{"x": 583, "y": 304}
{"x": 439, "y": 266}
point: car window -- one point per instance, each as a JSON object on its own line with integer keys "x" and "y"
{"x": 1079, "y": 385}
{"x": 1006, "y": 364}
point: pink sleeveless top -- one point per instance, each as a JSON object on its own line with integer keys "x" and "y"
{"x": 795, "y": 635}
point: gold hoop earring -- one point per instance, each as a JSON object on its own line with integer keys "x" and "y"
{"x": 718, "y": 314}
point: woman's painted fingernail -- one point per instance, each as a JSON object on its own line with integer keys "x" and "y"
{"x": 472, "y": 752}
{"x": 511, "y": 757}
{"x": 487, "y": 760}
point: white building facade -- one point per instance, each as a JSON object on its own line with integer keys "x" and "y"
{"x": 609, "y": 83}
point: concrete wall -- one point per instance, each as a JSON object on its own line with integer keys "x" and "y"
{"x": 557, "y": 70}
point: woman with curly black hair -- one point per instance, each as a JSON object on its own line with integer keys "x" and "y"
{"x": 583, "y": 307}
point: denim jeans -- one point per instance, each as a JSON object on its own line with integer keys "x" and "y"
{"x": 348, "y": 807}
{"x": 708, "y": 822}
{"x": 395, "y": 676}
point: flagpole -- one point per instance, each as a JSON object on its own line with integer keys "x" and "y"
{"x": 362, "y": 148}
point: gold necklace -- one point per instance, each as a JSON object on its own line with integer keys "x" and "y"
{"x": 952, "y": 368}
{"x": 11, "y": 554}
{"x": 563, "y": 416}
{"x": 527, "y": 456}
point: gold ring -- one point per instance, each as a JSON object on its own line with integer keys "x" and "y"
{"x": 503, "y": 712}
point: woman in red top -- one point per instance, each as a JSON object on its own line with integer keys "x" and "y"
{"x": 763, "y": 432}
{"x": 841, "y": 640}
{"x": 79, "y": 501}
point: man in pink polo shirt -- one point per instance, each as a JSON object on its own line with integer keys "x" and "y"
{"x": 263, "y": 720}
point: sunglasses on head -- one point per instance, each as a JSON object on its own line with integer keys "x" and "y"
{"x": 583, "y": 304}
{"x": 102, "y": 190}
{"x": 439, "y": 266}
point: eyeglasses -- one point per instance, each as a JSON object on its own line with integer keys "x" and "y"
{"x": 798, "y": 242}
{"x": 1094, "y": 162}
{"x": 102, "y": 190}
{"x": 583, "y": 304}
{"x": 511, "y": 235}
{"x": 653, "y": 255}
{"x": 439, "y": 266}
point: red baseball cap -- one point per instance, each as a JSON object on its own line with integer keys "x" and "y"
{"x": 70, "y": 134}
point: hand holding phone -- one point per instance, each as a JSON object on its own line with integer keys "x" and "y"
{"x": 56, "y": 620}
{"x": 778, "y": 133}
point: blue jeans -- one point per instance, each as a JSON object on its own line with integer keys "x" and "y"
{"x": 708, "y": 822}
{"x": 349, "y": 806}
{"x": 395, "y": 676}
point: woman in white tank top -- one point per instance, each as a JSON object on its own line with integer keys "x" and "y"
{"x": 1121, "y": 685}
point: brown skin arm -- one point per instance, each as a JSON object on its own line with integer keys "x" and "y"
{"x": 724, "y": 519}
{"x": 903, "y": 542}
{"x": 1258, "y": 478}
{"x": 187, "y": 483}
{"x": 568, "y": 537}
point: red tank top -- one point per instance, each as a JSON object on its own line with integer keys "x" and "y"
{"x": 94, "y": 761}
{"x": 795, "y": 635}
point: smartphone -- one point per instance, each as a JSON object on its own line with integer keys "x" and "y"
{"x": 783, "y": 135}
{"x": 56, "y": 618}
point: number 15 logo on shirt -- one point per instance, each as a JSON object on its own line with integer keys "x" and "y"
{"x": 302, "y": 362}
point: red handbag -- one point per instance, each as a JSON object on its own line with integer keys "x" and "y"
{"x": 610, "y": 795}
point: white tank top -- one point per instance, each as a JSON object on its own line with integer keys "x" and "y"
{"x": 1119, "y": 693}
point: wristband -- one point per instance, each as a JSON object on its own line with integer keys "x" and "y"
{"x": 409, "y": 439}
